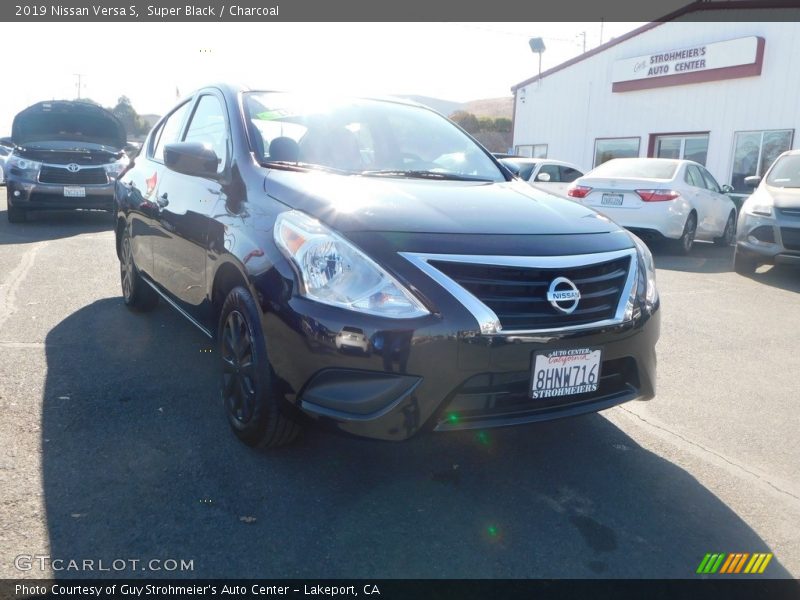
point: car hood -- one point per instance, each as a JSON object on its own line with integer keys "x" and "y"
{"x": 76, "y": 122}
{"x": 784, "y": 197}
{"x": 358, "y": 203}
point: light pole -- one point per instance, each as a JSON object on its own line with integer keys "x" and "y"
{"x": 537, "y": 47}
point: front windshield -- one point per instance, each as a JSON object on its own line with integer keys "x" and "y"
{"x": 786, "y": 172}
{"x": 366, "y": 137}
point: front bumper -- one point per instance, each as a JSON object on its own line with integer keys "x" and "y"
{"x": 30, "y": 195}
{"x": 440, "y": 375}
{"x": 769, "y": 240}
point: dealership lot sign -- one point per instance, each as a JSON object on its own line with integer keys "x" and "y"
{"x": 741, "y": 57}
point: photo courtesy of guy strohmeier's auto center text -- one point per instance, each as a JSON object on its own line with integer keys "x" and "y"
{"x": 413, "y": 300}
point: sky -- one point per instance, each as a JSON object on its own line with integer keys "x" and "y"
{"x": 152, "y": 62}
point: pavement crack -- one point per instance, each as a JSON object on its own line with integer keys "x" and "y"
{"x": 9, "y": 289}
{"x": 722, "y": 457}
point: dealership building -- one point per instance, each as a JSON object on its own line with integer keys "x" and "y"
{"x": 716, "y": 83}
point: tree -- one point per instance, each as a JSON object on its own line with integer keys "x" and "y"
{"x": 502, "y": 125}
{"x": 124, "y": 111}
{"x": 467, "y": 121}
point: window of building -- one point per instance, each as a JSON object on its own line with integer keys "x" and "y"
{"x": 686, "y": 146}
{"x": 754, "y": 152}
{"x": 524, "y": 150}
{"x": 607, "y": 148}
{"x": 531, "y": 150}
{"x": 539, "y": 151}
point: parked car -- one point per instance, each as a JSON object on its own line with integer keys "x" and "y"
{"x": 265, "y": 218}
{"x": 67, "y": 155}
{"x": 769, "y": 223}
{"x": 551, "y": 176}
{"x": 678, "y": 200}
{"x": 5, "y": 151}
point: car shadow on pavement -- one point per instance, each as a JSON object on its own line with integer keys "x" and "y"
{"x": 53, "y": 225}
{"x": 784, "y": 277}
{"x": 702, "y": 258}
{"x": 139, "y": 463}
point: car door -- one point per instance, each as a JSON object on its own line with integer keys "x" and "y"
{"x": 720, "y": 202}
{"x": 702, "y": 200}
{"x": 139, "y": 186}
{"x": 187, "y": 204}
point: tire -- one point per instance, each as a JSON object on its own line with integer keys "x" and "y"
{"x": 683, "y": 245}
{"x": 250, "y": 396}
{"x": 744, "y": 265}
{"x": 136, "y": 294}
{"x": 16, "y": 214}
{"x": 726, "y": 239}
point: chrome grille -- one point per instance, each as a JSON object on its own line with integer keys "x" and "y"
{"x": 509, "y": 294}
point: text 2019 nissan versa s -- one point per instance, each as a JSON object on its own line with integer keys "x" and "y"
{"x": 66, "y": 156}
{"x": 367, "y": 263}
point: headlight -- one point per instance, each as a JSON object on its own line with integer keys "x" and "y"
{"x": 647, "y": 278}
{"x": 114, "y": 169}
{"x": 759, "y": 204}
{"x": 335, "y": 272}
{"x": 24, "y": 164}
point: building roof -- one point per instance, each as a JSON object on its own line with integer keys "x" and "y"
{"x": 697, "y": 6}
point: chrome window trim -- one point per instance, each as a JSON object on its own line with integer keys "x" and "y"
{"x": 488, "y": 322}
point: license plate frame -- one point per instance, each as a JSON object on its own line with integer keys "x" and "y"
{"x": 578, "y": 382}
{"x": 611, "y": 199}
{"x": 74, "y": 191}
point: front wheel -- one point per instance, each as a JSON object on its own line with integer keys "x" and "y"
{"x": 250, "y": 394}
{"x": 135, "y": 292}
{"x": 683, "y": 244}
{"x": 726, "y": 239}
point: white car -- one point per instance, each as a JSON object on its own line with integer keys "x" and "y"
{"x": 660, "y": 198}
{"x": 551, "y": 176}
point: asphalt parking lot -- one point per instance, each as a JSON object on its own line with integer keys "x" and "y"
{"x": 113, "y": 445}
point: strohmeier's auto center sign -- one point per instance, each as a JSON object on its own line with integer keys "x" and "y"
{"x": 729, "y": 59}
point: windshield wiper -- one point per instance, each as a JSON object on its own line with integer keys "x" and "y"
{"x": 300, "y": 166}
{"x": 419, "y": 174}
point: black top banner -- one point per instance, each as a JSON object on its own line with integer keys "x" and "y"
{"x": 369, "y": 10}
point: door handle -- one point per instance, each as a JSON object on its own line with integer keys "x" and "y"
{"x": 163, "y": 201}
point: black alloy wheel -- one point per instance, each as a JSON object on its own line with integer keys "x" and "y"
{"x": 136, "y": 294}
{"x": 253, "y": 402}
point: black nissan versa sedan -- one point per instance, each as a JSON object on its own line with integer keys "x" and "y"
{"x": 66, "y": 156}
{"x": 366, "y": 263}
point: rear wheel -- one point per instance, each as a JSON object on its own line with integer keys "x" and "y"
{"x": 744, "y": 265}
{"x": 683, "y": 244}
{"x": 16, "y": 214}
{"x": 135, "y": 292}
{"x": 726, "y": 239}
{"x": 250, "y": 395}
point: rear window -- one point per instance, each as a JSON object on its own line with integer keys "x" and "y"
{"x": 640, "y": 168}
{"x": 786, "y": 172}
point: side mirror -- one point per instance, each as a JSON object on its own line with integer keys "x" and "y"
{"x": 752, "y": 181}
{"x": 543, "y": 177}
{"x": 191, "y": 158}
{"x": 727, "y": 189}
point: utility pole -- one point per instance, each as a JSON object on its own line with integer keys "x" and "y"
{"x": 583, "y": 34}
{"x": 601, "y": 31}
{"x": 79, "y": 76}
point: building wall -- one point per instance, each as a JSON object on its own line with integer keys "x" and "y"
{"x": 570, "y": 108}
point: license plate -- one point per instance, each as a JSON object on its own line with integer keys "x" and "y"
{"x": 74, "y": 191}
{"x": 565, "y": 372}
{"x": 611, "y": 200}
